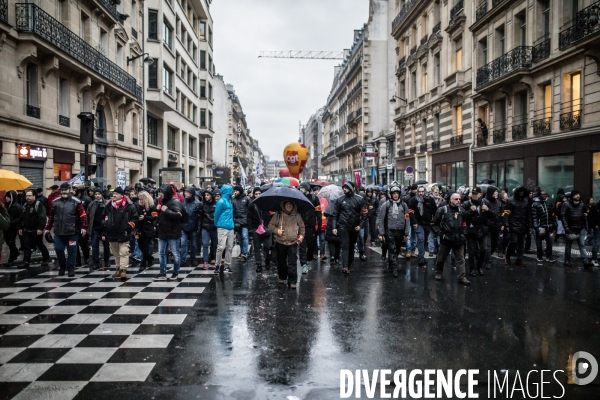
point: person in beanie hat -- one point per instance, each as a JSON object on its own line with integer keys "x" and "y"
{"x": 120, "y": 217}
{"x": 95, "y": 213}
{"x": 69, "y": 220}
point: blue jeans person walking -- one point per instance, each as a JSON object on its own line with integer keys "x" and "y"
{"x": 173, "y": 244}
{"x": 191, "y": 238}
{"x": 70, "y": 243}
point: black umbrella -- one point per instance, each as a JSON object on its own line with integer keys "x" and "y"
{"x": 421, "y": 182}
{"x": 272, "y": 198}
{"x": 147, "y": 180}
{"x": 99, "y": 180}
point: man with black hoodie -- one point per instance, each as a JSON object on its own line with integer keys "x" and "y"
{"x": 373, "y": 207}
{"x": 421, "y": 209}
{"x": 478, "y": 216}
{"x": 349, "y": 215}
{"x": 262, "y": 239}
{"x": 573, "y": 220}
{"x": 172, "y": 215}
{"x": 240, "y": 219}
{"x": 517, "y": 222}
{"x": 411, "y": 244}
{"x": 495, "y": 227}
{"x": 209, "y": 230}
{"x": 10, "y": 235}
{"x": 308, "y": 246}
{"x": 544, "y": 223}
{"x": 189, "y": 230}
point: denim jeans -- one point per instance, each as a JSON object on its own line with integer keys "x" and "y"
{"x": 321, "y": 240}
{"x": 70, "y": 243}
{"x": 191, "y": 238}
{"x": 212, "y": 238}
{"x": 596, "y": 244}
{"x": 411, "y": 245}
{"x": 432, "y": 243}
{"x": 580, "y": 241}
{"x": 360, "y": 242}
{"x": 242, "y": 236}
{"x": 538, "y": 243}
{"x": 137, "y": 252}
{"x": 96, "y": 240}
{"x": 173, "y": 244}
{"x": 422, "y": 233}
{"x": 31, "y": 241}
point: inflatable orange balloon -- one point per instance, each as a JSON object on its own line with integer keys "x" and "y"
{"x": 295, "y": 156}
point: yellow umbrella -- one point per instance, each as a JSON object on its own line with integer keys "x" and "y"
{"x": 10, "y": 180}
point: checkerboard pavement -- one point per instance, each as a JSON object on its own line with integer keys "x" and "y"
{"x": 57, "y": 334}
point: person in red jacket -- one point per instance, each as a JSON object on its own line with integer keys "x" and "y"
{"x": 54, "y": 194}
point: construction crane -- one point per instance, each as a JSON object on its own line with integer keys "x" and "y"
{"x": 310, "y": 55}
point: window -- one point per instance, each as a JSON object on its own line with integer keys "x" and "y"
{"x": 167, "y": 34}
{"x": 209, "y": 36}
{"x": 458, "y": 55}
{"x": 500, "y": 42}
{"x": 546, "y": 19}
{"x": 413, "y": 85}
{"x": 202, "y": 30}
{"x": 183, "y": 104}
{"x": 556, "y": 172}
{"x": 210, "y": 120}
{"x": 500, "y": 114}
{"x": 210, "y": 92}
{"x": 547, "y": 102}
{"x": 63, "y": 11}
{"x": 192, "y": 144}
{"x": 153, "y": 24}
{"x": 32, "y": 85}
{"x": 152, "y": 131}
{"x": 195, "y": 114}
{"x": 437, "y": 69}
{"x": 171, "y": 134}
{"x": 119, "y": 55}
{"x": 521, "y": 107}
{"x": 182, "y": 70}
{"x": 424, "y": 86}
{"x": 203, "y": 117}
{"x": 520, "y": 29}
{"x": 575, "y": 92}
{"x": 103, "y": 42}
{"x": 63, "y": 97}
{"x": 134, "y": 15}
{"x": 596, "y": 175}
{"x": 202, "y": 59}
{"x": 167, "y": 80}
{"x": 403, "y": 89}
{"x": 458, "y": 120}
{"x": 424, "y": 130}
{"x": 452, "y": 173}
{"x": 483, "y": 52}
{"x": 436, "y": 126}
{"x": 153, "y": 75}
{"x": 203, "y": 88}
{"x": 84, "y": 27}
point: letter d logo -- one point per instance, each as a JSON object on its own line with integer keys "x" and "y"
{"x": 590, "y": 364}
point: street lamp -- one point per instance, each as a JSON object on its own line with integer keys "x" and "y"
{"x": 394, "y": 97}
{"x": 149, "y": 60}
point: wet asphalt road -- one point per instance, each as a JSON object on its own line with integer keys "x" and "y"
{"x": 249, "y": 338}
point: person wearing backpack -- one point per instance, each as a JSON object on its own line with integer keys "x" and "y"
{"x": 172, "y": 216}
{"x": 31, "y": 227}
{"x": 393, "y": 225}
{"x": 450, "y": 226}
{"x": 289, "y": 229}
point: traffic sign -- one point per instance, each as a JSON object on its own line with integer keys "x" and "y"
{"x": 363, "y": 154}
{"x": 409, "y": 177}
{"x": 409, "y": 170}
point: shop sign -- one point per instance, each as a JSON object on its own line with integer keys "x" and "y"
{"x": 121, "y": 178}
{"x": 33, "y": 153}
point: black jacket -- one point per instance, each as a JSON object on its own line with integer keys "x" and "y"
{"x": 517, "y": 215}
{"x": 594, "y": 216}
{"x": 92, "y": 209}
{"x": 33, "y": 217}
{"x": 329, "y": 236}
{"x": 373, "y": 207}
{"x": 146, "y": 226}
{"x": 256, "y": 216}
{"x": 349, "y": 212}
{"x": 119, "y": 222}
{"x": 497, "y": 207}
{"x": 311, "y": 217}
{"x": 193, "y": 207}
{"x": 479, "y": 221}
{"x": 450, "y": 225}
{"x": 542, "y": 214}
{"x": 240, "y": 209}
{"x": 573, "y": 216}
{"x": 169, "y": 221}
{"x": 14, "y": 211}
{"x": 208, "y": 215}
{"x": 429, "y": 209}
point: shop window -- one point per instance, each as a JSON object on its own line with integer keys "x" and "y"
{"x": 153, "y": 24}
{"x": 556, "y": 172}
{"x": 505, "y": 174}
{"x": 453, "y": 174}
{"x": 596, "y": 175}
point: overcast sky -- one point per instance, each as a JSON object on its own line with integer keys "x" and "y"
{"x": 276, "y": 94}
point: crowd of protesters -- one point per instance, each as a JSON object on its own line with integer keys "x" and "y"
{"x": 199, "y": 227}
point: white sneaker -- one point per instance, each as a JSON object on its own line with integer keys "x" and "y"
{"x": 595, "y": 263}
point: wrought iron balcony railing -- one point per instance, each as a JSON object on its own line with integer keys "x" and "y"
{"x": 350, "y": 118}
{"x": 135, "y": 143}
{"x": 435, "y": 145}
{"x": 541, "y": 50}
{"x": 519, "y": 131}
{"x": 4, "y": 10}
{"x": 413, "y": 50}
{"x": 402, "y": 62}
{"x": 401, "y": 153}
{"x": 351, "y": 143}
{"x": 499, "y": 135}
{"x": 358, "y": 113}
{"x": 423, "y": 148}
{"x": 120, "y": 137}
{"x": 424, "y": 40}
{"x": 33, "y": 111}
{"x": 437, "y": 28}
{"x": 134, "y": 33}
{"x": 542, "y": 126}
{"x": 583, "y": 25}
{"x": 570, "y": 114}
{"x": 481, "y": 141}
{"x": 413, "y": 150}
{"x": 517, "y": 59}
{"x": 403, "y": 13}
{"x": 31, "y": 18}
{"x": 64, "y": 121}
{"x": 457, "y": 9}
{"x": 111, "y": 7}
{"x": 481, "y": 10}
{"x": 456, "y": 140}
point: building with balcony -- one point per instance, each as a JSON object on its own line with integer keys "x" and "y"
{"x": 312, "y": 137}
{"x": 433, "y": 109}
{"x": 59, "y": 59}
{"x": 536, "y": 87}
{"x": 180, "y": 88}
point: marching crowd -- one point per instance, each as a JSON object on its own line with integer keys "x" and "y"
{"x": 200, "y": 226}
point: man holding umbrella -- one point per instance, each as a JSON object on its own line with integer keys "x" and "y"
{"x": 349, "y": 216}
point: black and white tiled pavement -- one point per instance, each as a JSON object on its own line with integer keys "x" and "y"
{"x": 57, "y": 334}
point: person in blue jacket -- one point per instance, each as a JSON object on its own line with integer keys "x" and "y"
{"x": 225, "y": 232}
